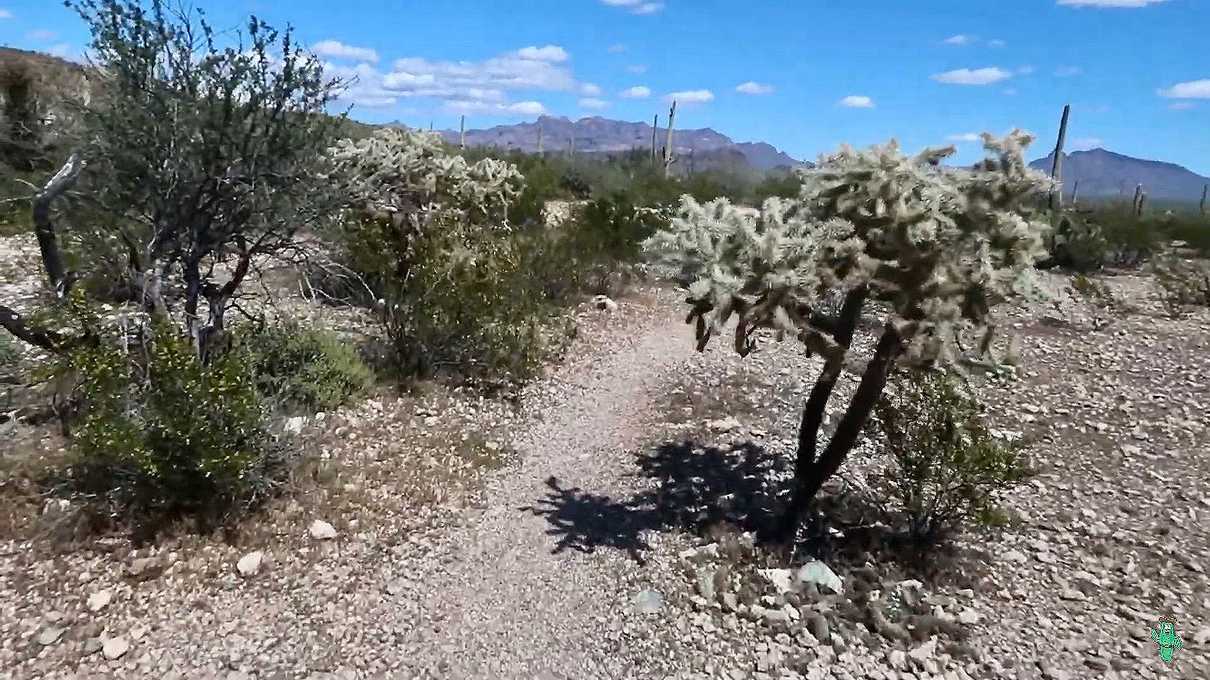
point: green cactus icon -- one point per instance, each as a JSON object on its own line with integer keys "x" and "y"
{"x": 1165, "y": 636}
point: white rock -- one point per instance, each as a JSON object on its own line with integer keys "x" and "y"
{"x": 604, "y": 303}
{"x": 782, "y": 580}
{"x": 50, "y": 635}
{"x": 969, "y": 616}
{"x": 322, "y": 531}
{"x": 294, "y": 425}
{"x": 99, "y": 600}
{"x": 723, "y": 425}
{"x": 249, "y": 565}
{"x": 924, "y": 652}
{"x": 648, "y": 601}
{"x": 821, "y": 575}
{"x": 115, "y": 648}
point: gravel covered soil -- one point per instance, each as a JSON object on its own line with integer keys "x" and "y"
{"x": 601, "y": 527}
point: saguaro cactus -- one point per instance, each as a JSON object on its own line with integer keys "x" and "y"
{"x": 1075, "y": 194}
{"x": 1056, "y": 168}
{"x": 462, "y": 133}
{"x": 1138, "y": 196}
{"x": 1205, "y": 190}
{"x": 669, "y": 156}
{"x": 539, "y": 140}
{"x": 655, "y": 126}
{"x": 1142, "y": 202}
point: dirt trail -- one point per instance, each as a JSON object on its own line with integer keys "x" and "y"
{"x": 509, "y": 603}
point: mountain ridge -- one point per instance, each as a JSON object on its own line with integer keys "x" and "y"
{"x": 596, "y": 134}
{"x": 1103, "y": 173}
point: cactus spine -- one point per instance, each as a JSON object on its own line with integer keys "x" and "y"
{"x": 1056, "y": 168}
{"x": 669, "y": 157}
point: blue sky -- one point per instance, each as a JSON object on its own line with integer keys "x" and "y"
{"x": 804, "y": 75}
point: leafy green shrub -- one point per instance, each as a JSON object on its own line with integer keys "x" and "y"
{"x": 1078, "y": 245}
{"x": 163, "y": 435}
{"x": 946, "y": 468}
{"x": 1184, "y": 282}
{"x": 300, "y": 368}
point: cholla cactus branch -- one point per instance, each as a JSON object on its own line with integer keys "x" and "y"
{"x": 939, "y": 246}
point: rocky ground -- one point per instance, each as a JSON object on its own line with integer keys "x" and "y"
{"x": 601, "y": 527}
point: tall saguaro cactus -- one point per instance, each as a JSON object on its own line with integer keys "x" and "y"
{"x": 1205, "y": 191}
{"x": 655, "y": 126}
{"x": 669, "y": 157}
{"x": 1075, "y": 194}
{"x": 462, "y": 133}
{"x": 1056, "y": 168}
{"x": 1138, "y": 197}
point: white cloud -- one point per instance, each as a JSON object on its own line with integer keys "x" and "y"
{"x": 636, "y": 6}
{"x": 590, "y": 90}
{"x": 964, "y": 137}
{"x": 61, "y": 50}
{"x": 1194, "y": 89}
{"x": 5, "y": 14}
{"x": 690, "y": 96}
{"x": 617, "y": 48}
{"x": 979, "y": 76}
{"x": 752, "y": 87}
{"x": 550, "y": 53}
{"x": 636, "y": 92}
{"x": 996, "y": 43}
{"x": 1182, "y": 106}
{"x": 416, "y": 76}
{"x": 42, "y": 35}
{"x": 593, "y": 103}
{"x": 959, "y": 39}
{"x": 1068, "y": 71}
{"x": 1086, "y": 143}
{"x": 637, "y": 69}
{"x": 1110, "y": 3}
{"x": 855, "y": 101}
{"x": 334, "y": 49}
{"x": 527, "y": 108}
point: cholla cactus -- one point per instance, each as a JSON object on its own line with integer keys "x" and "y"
{"x": 404, "y": 173}
{"x": 940, "y": 246}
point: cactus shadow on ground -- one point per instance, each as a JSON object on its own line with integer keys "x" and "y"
{"x": 709, "y": 490}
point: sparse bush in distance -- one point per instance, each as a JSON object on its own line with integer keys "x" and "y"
{"x": 302, "y": 369}
{"x": 945, "y": 467}
{"x": 939, "y": 246}
{"x": 1183, "y": 282}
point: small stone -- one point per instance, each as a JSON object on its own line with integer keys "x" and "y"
{"x": 115, "y": 648}
{"x": 1096, "y": 663}
{"x": 817, "y": 625}
{"x": 294, "y": 425}
{"x": 99, "y": 600}
{"x": 1014, "y": 556}
{"x": 249, "y": 565}
{"x": 723, "y": 425}
{"x": 322, "y": 531}
{"x": 50, "y": 635}
{"x": 821, "y": 575}
{"x": 898, "y": 659}
{"x": 92, "y": 646}
{"x": 782, "y": 580}
{"x": 604, "y": 303}
{"x": 648, "y": 602}
{"x": 969, "y": 616}
{"x": 144, "y": 567}
{"x": 1072, "y": 595}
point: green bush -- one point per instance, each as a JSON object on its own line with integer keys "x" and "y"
{"x": 163, "y": 435}
{"x": 1078, "y": 244}
{"x": 945, "y": 467}
{"x": 303, "y": 369}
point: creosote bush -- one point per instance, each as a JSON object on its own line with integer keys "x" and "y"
{"x": 945, "y": 467}
{"x": 300, "y": 369}
{"x": 162, "y": 436}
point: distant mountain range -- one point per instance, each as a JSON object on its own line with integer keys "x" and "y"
{"x": 598, "y": 135}
{"x": 1103, "y": 173}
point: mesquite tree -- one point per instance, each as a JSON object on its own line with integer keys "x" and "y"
{"x": 932, "y": 248}
{"x": 201, "y": 156}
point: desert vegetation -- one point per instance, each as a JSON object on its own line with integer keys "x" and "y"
{"x": 240, "y": 328}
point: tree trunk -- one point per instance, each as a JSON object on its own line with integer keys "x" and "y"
{"x": 1056, "y": 169}
{"x": 816, "y": 405}
{"x": 811, "y": 476}
{"x": 44, "y": 228}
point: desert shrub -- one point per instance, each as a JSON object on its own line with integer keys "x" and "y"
{"x": 163, "y": 435}
{"x": 303, "y": 369}
{"x": 1078, "y": 244}
{"x": 945, "y": 467}
{"x": 1183, "y": 282}
{"x": 430, "y": 235}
